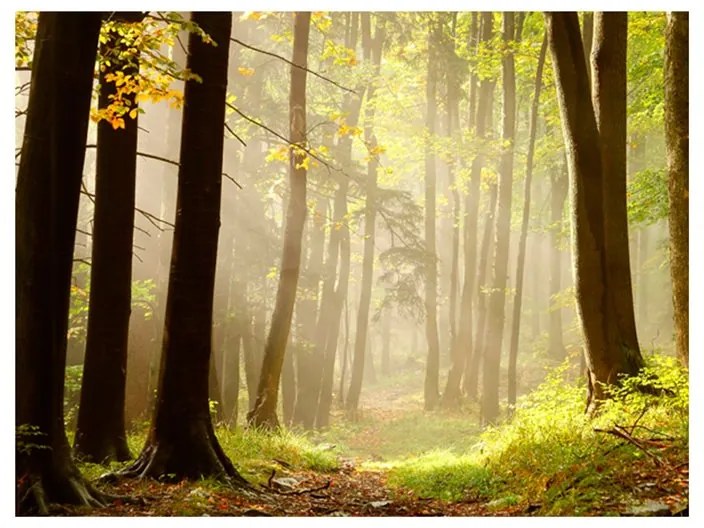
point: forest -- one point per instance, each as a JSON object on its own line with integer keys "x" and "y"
{"x": 351, "y": 264}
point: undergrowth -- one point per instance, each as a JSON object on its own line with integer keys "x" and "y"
{"x": 255, "y": 453}
{"x": 549, "y": 454}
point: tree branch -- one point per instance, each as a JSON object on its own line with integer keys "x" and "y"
{"x": 287, "y": 61}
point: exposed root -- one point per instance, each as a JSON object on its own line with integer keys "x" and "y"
{"x": 38, "y": 494}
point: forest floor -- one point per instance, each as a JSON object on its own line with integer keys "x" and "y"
{"x": 352, "y": 470}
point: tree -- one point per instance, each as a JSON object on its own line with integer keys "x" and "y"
{"x": 47, "y": 194}
{"x": 677, "y": 137}
{"x": 497, "y": 298}
{"x": 372, "y": 54}
{"x": 181, "y": 442}
{"x": 558, "y": 194}
{"x": 264, "y": 412}
{"x": 521, "y": 257}
{"x": 608, "y": 58}
{"x": 607, "y": 355}
{"x": 100, "y": 431}
{"x": 431, "y": 391}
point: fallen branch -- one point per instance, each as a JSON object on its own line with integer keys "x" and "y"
{"x": 620, "y": 432}
{"x": 270, "y": 481}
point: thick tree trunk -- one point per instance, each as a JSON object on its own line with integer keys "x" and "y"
{"x": 432, "y": 366}
{"x": 264, "y": 412}
{"x": 372, "y": 54}
{"x": 558, "y": 193}
{"x": 497, "y": 298}
{"x": 606, "y": 351}
{"x": 521, "y": 257}
{"x": 100, "y": 432}
{"x": 609, "y": 74}
{"x": 677, "y": 138}
{"x": 484, "y": 104}
{"x": 181, "y": 442}
{"x": 46, "y": 210}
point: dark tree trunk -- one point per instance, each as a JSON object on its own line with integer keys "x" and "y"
{"x": 432, "y": 366}
{"x": 677, "y": 138}
{"x": 46, "y": 210}
{"x": 372, "y": 54}
{"x": 558, "y": 193}
{"x": 181, "y": 442}
{"x": 100, "y": 431}
{"x": 606, "y": 351}
{"x": 497, "y": 298}
{"x": 464, "y": 338}
{"x": 264, "y": 412}
{"x": 609, "y": 74}
{"x": 521, "y": 258}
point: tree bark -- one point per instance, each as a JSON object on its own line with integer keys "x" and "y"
{"x": 372, "y": 54}
{"x": 264, "y": 412}
{"x": 432, "y": 366}
{"x": 677, "y": 140}
{"x": 607, "y": 355}
{"x": 521, "y": 258}
{"x": 181, "y": 442}
{"x": 497, "y": 298}
{"x": 100, "y": 431}
{"x": 609, "y": 74}
{"x": 46, "y": 211}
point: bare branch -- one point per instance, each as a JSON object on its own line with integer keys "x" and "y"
{"x": 270, "y": 54}
{"x": 233, "y": 133}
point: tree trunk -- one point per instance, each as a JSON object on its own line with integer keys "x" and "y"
{"x": 309, "y": 359}
{"x": 372, "y": 54}
{"x": 484, "y": 104}
{"x": 100, "y": 431}
{"x": 521, "y": 258}
{"x": 609, "y": 74}
{"x": 181, "y": 442}
{"x": 459, "y": 351}
{"x": 46, "y": 211}
{"x": 558, "y": 194}
{"x": 264, "y": 412}
{"x": 497, "y": 298}
{"x": 432, "y": 366}
{"x": 606, "y": 351}
{"x": 386, "y": 343}
{"x": 677, "y": 139}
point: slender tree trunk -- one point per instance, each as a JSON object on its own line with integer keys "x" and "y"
{"x": 339, "y": 243}
{"x": 432, "y": 367}
{"x": 521, "y": 258}
{"x": 100, "y": 432}
{"x": 460, "y": 349}
{"x": 46, "y": 211}
{"x": 497, "y": 298}
{"x": 386, "y": 343}
{"x": 677, "y": 139}
{"x": 181, "y": 442}
{"x": 484, "y": 104}
{"x": 309, "y": 358}
{"x": 607, "y": 352}
{"x": 558, "y": 194}
{"x": 264, "y": 412}
{"x": 372, "y": 53}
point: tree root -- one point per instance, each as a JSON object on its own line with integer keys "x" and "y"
{"x": 37, "y": 492}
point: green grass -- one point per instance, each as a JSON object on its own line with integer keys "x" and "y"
{"x": 549, "y": 453}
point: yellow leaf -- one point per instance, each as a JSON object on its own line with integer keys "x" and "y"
{"x": 133, "y": 113}
{"x": 246, "y": 72}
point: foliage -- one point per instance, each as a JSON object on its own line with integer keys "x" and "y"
{"x": 72, "y": 394}
{"x": 26, "y": 438}
{"x": 647, "y": 197}
{"x": 25, "y": 31}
